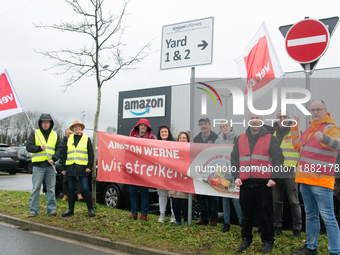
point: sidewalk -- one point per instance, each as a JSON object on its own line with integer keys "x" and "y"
{"x": 80, "y": 237}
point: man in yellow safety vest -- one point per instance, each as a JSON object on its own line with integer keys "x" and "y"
{"x": 45, "y": 147}
{"x": 286, "y": 181}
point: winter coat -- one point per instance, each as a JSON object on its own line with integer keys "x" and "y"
{"x": 32, "y": 147}
{"x": 178, "y": 194}
{"x": 226, "y": 139}
{"x": 148, "y": 135}
{"x": 211, "y": 138}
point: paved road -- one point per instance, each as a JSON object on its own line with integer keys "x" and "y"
{"x": 14, "y": 241}
{"x": 20, "y": 181}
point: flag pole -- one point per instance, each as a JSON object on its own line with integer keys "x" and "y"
{"x": 5, "y": 82}
{"x": 294, "y": 107}
{"x": 40, "y": 140}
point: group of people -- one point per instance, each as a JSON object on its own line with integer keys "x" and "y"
{"x": 77, "y": 157}
{"x": 268, "y": 160}
{"x": 178, "y": 200}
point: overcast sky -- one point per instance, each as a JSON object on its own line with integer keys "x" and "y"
{"x": 235, "y": 23}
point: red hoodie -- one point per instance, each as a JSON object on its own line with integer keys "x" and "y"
{"x": 148, "y": 135}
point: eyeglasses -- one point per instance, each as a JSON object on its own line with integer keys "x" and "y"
{"x": 182, "y": 138}
{"x": 318, "y": 110}
{"x": 225, "y": 126}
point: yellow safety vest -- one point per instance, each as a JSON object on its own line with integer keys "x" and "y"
{"x": 77, "y": 155}
{"x": 50, "y": 146}
{"x": 290, "y": 154}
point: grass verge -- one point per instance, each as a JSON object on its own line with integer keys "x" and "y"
{"x": 115, "y": 225}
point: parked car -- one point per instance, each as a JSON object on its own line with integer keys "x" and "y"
{"x": 25, "y": 159}
{"x": 9, "y": 160}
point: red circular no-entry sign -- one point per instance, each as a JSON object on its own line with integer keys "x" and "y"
{"x": 307, "y": 40}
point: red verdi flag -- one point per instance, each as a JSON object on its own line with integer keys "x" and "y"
{"x": 259, "y": 64}
{"x": 9, "y": 101}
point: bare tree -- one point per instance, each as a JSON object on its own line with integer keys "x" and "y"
{"x": 18, "y": 125}
{"x": 111, "y": 129}
{"x": 5, "y": 125}
{"x": 104, "y": 32}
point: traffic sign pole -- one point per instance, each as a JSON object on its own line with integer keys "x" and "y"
{"x": 307, "y": 74}
{"x": 192, "y": 121}
{"x": 306, "y": 41}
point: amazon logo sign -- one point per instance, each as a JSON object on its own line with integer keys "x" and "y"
{"x": 138, "y": 107}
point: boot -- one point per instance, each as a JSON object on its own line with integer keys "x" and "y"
{"x": 296, "y": 233}
{"x": 80, "y": 197}
{"x": 267, "y": 247}
{"x": 71, "y": 202}
{"x": 226, "y": 227}
{"x": 65, "y": 198}
{"x": 277, "y": 230}
{"x": 88, "y": 200}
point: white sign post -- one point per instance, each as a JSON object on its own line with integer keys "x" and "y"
{"x": 187, "y": 44}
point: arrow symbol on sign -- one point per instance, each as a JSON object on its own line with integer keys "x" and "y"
{"x": 204, "y": 45}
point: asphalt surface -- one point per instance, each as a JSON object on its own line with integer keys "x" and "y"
{"x": 16, "y": 241}
{"x": 74, "y": 236}
{"x": 19, "y": 181}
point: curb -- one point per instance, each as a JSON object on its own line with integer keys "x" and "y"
{"x": 80, "y": 237}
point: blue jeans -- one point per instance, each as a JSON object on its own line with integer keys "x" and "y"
{"x": 144, "y": 193}
{"x": 320, "y": 200}
{"x": 226, "y": 209}
{"x": 38, "y": 176}
{"x": 84, "y": 182}
{"x": 208, "y": 208}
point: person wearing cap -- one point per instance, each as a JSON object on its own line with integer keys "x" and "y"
{"x": 45, "y": 147}
{"x": 77, "y": 161}
{"x": 207, "y": 136}
{"x": 68, "y": 132}
{"x": 141, "y": 130}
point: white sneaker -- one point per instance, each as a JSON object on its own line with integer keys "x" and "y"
{"x": 172, "y": 219}
{"x": 161, "y": 218}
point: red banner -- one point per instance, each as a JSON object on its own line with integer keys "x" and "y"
{"x": 186, "y": 167}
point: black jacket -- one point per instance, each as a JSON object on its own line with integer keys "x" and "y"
{"x": 281, "y": 132}
{"x": 275, "y": 153}
{"x": 31, "y": 147}
{"x": 211, "y": 139}
{"x": 74, "y": 169}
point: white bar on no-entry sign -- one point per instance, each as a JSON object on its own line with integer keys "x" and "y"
{"x": 306, "y": 40}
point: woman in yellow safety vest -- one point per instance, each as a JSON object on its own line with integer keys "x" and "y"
{"x": 78, "y": 161}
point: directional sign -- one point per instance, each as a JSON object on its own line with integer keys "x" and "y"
{"x": 187, "y": 44}
{"x": 307, "y": 40}
{"x": 330, "y": 23}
